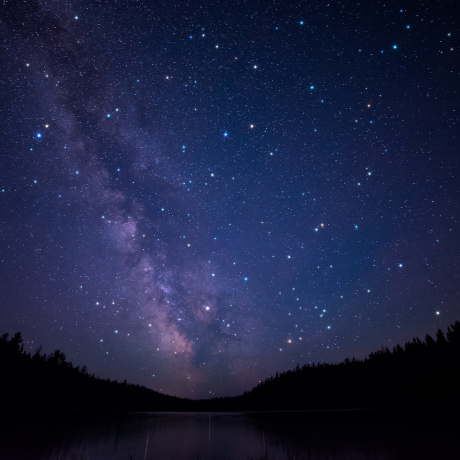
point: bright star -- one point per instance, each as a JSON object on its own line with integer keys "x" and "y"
{"x": 225, "y": 134}
{"x": 301, "y": 23}
{"x": 38, "y": 135}
{"x": 395, "y": 47}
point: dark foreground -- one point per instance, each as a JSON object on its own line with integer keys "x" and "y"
{"x": 420, "y": 374}
{"x": 364, "y": 434}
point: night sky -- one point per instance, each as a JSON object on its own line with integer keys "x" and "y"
{"x": 195, "y": 195}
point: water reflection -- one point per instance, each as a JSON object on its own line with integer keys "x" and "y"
{"x": 206, "y": 436}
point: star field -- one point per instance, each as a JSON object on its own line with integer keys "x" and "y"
{"x": 195, "y": 195}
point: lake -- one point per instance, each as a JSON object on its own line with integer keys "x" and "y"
{"x": 206, "y": 436}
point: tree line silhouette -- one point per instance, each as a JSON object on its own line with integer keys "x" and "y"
{"x": 40, "y": 382}
{"x": 420, "y": 373}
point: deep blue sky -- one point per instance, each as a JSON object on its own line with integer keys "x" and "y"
{"x": 195, "y": 195}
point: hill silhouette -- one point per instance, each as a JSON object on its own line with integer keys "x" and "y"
{"x": 422, "y": 373}
{"x": 41, "y": 382}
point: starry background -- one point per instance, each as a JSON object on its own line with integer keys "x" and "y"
{"x": 195, "y": 195}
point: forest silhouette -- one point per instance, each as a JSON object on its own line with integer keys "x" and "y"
{"x": 420, "y": 374}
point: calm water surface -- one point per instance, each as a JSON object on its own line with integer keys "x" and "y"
{"x": 206, "y": 436}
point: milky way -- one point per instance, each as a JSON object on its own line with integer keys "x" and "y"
{"x": 195, "y": 195}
